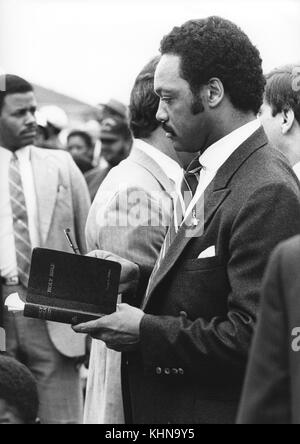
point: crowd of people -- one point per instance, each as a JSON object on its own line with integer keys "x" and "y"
{"x": 195, "y": 192}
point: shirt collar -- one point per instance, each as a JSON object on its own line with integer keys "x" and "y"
{"x": 217, "y": 154}
{"x": 296, "y": 169}
{"x": 23, "y": 154}
{"x": 171, "y": 168}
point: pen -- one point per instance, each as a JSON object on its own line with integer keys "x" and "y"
{"x": 72, "y": 244}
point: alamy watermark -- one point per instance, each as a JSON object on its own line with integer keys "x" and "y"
{"x": 296, "y": 340}
{"x": 132, "y": 208}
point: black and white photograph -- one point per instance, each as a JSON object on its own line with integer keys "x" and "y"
{"x": 149, "y": 214}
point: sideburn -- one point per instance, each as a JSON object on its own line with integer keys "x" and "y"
{"x": 197, "y": 106}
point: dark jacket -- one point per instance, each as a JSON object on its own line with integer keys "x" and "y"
{"x": 272, "y": 388}
{"x": 200, "y": 313}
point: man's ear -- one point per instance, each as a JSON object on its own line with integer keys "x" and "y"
{"x": 215, "y": 92}
{"x": 287, "y": 120}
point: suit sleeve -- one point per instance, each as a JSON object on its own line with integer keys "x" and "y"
{"x": 130, "y": 226}
{"x": 81, "y": 203}
{"x": 265, "y": 398}
{"x": 270, "y": 215}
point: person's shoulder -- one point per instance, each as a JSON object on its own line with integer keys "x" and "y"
{"x": 289, "y": 250}
{"x": 273, "y": 161}
{"x": 283, "y": 269}
{"x": 133, "y": 174}
{"x": 267, "y": 167}
{"x": 47, "y": 152}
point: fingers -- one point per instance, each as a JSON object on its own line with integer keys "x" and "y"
{"x": 101, "y": 254}
{"x": 90, "y": 327}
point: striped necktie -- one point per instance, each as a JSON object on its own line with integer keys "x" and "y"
{"x": 190, "y": 182}
{"x": 188, "y": 189}
{"x": 20, "y": 221}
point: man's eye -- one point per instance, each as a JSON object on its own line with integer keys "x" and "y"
{"x": 166, "y": 99}
{"x": 19, "y": 114}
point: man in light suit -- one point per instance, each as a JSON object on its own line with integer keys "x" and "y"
{"x": 42, "y": 193}
{"x": 272, "y": 386}
{"x": 130, "y": 217}
{"x": 187, "y": 348}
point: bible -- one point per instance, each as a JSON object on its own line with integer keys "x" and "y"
{"x": 69, "y": 288}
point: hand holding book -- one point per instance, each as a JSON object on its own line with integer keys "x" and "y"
{"x": 130, "y": 273}
{"x": 120, "y": 331}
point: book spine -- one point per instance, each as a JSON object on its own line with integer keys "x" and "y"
{"x": 54, "y": 314}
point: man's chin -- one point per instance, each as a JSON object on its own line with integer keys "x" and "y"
{"x": 184, "y": 149}
{"x": 27, "y": 140}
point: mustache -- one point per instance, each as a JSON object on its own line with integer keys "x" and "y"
{"x": 29, "y": 130}
{"x": 168, "y": 129}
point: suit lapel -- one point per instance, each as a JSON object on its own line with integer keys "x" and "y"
{"x": 45, "y": 173}
{"x": 207, "y": 206}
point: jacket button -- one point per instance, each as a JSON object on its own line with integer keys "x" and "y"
{"x": 158, "y": 371}
{"x": 167, "y": 371}
{"x": 181, "y": 371}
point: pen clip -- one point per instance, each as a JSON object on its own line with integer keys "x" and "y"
{"x": 72, "y": 244}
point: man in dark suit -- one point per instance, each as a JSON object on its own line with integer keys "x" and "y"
{"x": 187, "y": 348}
{"x": 2, "y": 331}
{"x": 272, "y": 387}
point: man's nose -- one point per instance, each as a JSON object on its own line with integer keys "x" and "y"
{"x": 161, "y": 114}
{"x": 30, "y": 119}
{"x": 73, "y": 151}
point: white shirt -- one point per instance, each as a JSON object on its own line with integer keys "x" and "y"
{"x": 217, "y": 154}
{"x": 8, "y": 261}
{"x": 296, "y": 169}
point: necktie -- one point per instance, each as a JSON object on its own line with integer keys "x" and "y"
{"x": 190, "y": 182}
{"x": 188, "y": 189}
{"x": 20, "y": 221}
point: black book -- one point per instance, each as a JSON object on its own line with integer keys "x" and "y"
{"x": 70, "y": 288}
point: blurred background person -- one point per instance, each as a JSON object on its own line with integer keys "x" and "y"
{"x": 42, "y": 134}
{"x": 113, "y": 108}
{"x": 56, "y": 121}
{"x": 280, "y": 112}
{"x": 19, "y": 401}
{"x": 93, "y": 128}
{"x": 81, "y": 147}
{"x": 116, "y": 142}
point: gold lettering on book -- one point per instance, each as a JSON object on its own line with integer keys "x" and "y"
{"x": 50, "y": 281}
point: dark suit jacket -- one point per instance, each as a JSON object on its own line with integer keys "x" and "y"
{"x": 200, "y": 313}
{"x": 2, "y": 332}
{"x": 272, "y": 388}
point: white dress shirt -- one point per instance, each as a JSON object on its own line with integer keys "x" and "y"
{"x": 296, "y": 169}
{"x": 8, "y": 261}
{"x": 216, "y": 155}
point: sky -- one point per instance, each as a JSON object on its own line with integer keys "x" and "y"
{"x": 94, "y": 49}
